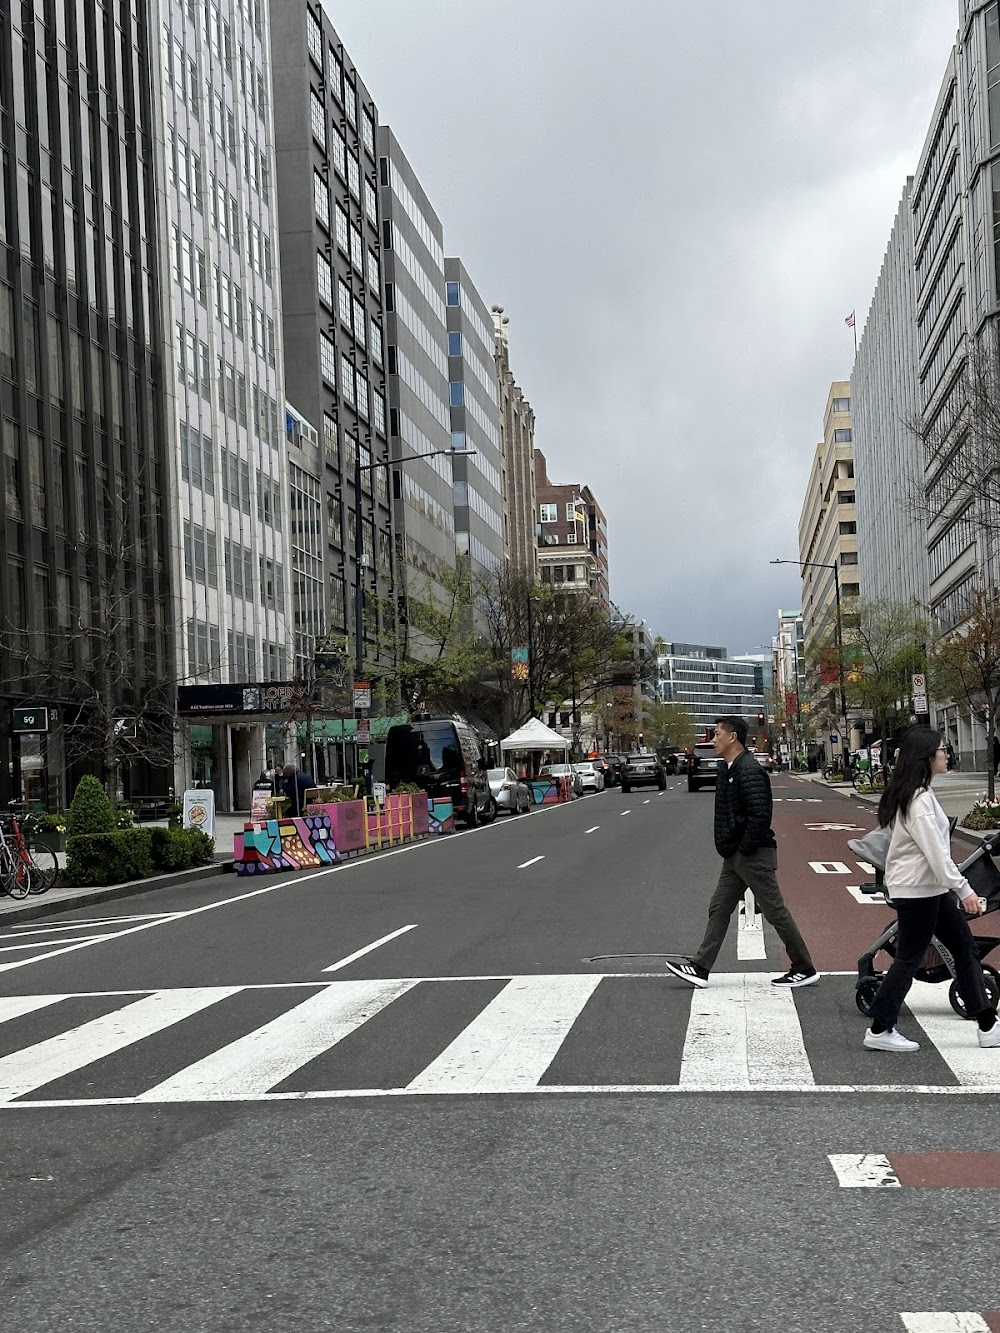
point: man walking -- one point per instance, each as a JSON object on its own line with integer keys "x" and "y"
{"x": 746, "y": 843}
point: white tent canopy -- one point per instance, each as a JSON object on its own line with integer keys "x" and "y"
{"x": 535, "y": 735}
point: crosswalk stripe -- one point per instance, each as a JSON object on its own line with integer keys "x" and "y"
{"x": 743, "y": 1031}
{"x": 16, "y": 1006}
{"x": 941, "y": 1322}
{"x": 269, "y": 1054}
{"x": 23, "y": 1071}
{"x": 954, "y": 1038}
{"x": 514, "y": 1040}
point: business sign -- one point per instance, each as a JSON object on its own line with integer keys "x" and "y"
{"x": 27, "y": 720}
{"x": 199, "y": 810}
{"x": 362, "y": 694}
{"x": 273, "y": 696}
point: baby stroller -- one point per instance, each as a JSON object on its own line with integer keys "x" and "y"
{"x": 938, "y": 964}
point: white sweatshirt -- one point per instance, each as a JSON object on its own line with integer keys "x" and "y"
{"x": 919, "y": 863}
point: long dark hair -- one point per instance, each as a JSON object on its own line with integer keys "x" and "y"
{"x": 911, "y": 774}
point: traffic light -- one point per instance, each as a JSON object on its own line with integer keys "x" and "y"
{"x": 640, "y": 737}
{"x": 760, "y": 719}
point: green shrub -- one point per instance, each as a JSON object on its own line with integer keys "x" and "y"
{"x": 109, "y": 858}
{"x": 90, "y": 810}
{"x": 125, "y": 817}
{"x": 179, "y": 849}
{"x": 175, "y": 816}
{"x": 406, "y": 788}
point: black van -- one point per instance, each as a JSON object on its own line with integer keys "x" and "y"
{"x": 443, "y": 755}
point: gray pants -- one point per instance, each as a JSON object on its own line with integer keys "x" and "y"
{"x": 756, "y": 872}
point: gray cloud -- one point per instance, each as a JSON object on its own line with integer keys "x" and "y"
{"x": 677, "y": 204}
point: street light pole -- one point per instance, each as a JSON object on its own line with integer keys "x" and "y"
{"x": 820, "y": 564}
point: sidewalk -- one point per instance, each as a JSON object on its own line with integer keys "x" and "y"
{"x": 957, "y": 792}
{"x": 69, "y": 897}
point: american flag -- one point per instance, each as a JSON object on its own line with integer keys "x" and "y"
{"x": 849, "y": 321}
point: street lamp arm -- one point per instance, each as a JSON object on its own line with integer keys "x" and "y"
{"x": 434, "y": 453}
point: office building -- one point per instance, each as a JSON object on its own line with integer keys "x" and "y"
{"x": 572, "y": 536}
{"x": 86, "y": 610}
{"x": 888, "y": 452}
{"x": 475, "y": 422}
{"x": 333, "y": 317}
{"x": 828, "y": 550}
{"x": 417, "y": 343}
{"x": 517, "y": 451}
{"x": 710, "y": 684}
{"x": 229, "y": 520}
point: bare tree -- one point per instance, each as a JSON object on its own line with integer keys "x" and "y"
{"x": 965, "y": 666}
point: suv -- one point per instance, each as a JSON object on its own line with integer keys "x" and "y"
{"x": 444, "y": 757}
{"x": 703, "y": 766}
{"x": 642, "y": 770}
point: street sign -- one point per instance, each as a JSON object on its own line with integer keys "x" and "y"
{"x": 363, "y": 731}
{"x": 834, "y": 738}
{"x": 30, "y": 720}
{"x": 920, "y": 693}
{"x": 362, "y": 694}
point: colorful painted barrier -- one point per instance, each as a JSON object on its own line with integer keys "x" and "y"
{"x": 551, "y": 791}
{"x": 361, "y": 825}
{"x": 347, "y": 820}
{"x": 441, "y": 816}
{"x": 305, "y": 843}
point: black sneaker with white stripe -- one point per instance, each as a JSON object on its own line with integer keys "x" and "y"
{"x": 792, "y": 979}
{"x": 688, "y": 971}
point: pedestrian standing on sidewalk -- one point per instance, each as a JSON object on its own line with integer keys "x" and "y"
{"x": 746, "y": 843}
{"x": 922, "y": 881}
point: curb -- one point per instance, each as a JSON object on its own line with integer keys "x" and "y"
{"x": 110, "y": 892}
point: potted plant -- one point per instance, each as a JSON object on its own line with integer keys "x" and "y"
{"x": 48, "y": 832}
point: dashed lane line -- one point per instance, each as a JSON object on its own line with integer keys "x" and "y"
{"x": 524, "y": 864}
{"x": 592, "y": 830}
{"x": 376, "y": 944}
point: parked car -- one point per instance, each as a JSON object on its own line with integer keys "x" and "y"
{"x": 703, "y": 766}
{"x": 509, "y": 792}
{"x": 443, "y": 756}
{"x": 765, "y": 760}
{"x": 643, "y": 770}
{"x": 591, "y": 775}
{"x": 613, "y": 775}
{"x": 606, "y": 770}
{"x": 563, "y": 771}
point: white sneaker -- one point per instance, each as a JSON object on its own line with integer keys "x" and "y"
{"x": 991, "y": 1038}
{"x": 891, "y": 1040}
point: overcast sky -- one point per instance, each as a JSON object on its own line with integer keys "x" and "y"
{"x": 677, "y": 204}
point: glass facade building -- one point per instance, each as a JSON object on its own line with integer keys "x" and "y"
{"x": 710, "y": 684}
{"x": 86, "y": 615}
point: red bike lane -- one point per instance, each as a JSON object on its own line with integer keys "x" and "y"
{"x": 816, "y": 870}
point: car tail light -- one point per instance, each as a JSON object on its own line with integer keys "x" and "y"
{"x": 463, "y": 784}
{"x": 505, "y": 786}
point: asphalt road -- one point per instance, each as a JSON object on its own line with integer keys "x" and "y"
{"x": 223, "y": 1109}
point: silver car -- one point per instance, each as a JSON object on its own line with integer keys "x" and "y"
{"x": 591, "y": 775}
{"x": 563, "y": 771}
{"x": 509, "y": 792}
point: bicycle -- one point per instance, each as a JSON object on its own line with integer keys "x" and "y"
{"x": 24, "y": 869}
{"x": 869, "y": 779}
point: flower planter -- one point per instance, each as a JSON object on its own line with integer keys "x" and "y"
{"x": 49, "y": 840}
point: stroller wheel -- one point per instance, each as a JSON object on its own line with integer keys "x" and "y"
{"x": 991, "y": 980}
{"x": 865, "y": 994}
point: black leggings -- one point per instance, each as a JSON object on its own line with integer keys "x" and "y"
{"x": 919, "y": 919}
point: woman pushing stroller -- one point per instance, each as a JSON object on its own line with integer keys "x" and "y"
{"x": 922, "y": 880}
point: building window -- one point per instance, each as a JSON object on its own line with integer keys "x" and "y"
{"x": 373, "y": 271}
{"x": 849, "y": 557}
{"x": 842, "y": 436}
{"x": 343, "y": 235}
{"x": 354, "y": 176}
{"x": 314, "y": 37}
{"x": 548, "y": 513}
{"x": 375, "y": 341}
{"x": 324, "y": 279}
{"x": 845, "y": 497}
{"x": 371, "y": 204}
{"x": 378, "y": 411}
{"x": 328, "y": 359}
{"x": 456, "y": 390}
{"x": 317, "y": 118}
{"x": 362, "y": 385}
{"x": 841, "y": 405}
{"x": 454, "y": 344}
{"x": 321, "y": 200}
{"x": 344, "y": 302}
{"x": 452, "y": 294}
{"x": 368, "y": 134}
{"x": 848, "y": 529}
{"x": 347, "y": 380}
{"x": 335, "y": 75}
{"x": 357, "y": 249}
{"x": 338, "y": 152}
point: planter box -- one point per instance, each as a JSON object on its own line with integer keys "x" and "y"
{"x": 347, "y": 820}
{"x": 48, "y": 840}
{"x": 304, "y": 843}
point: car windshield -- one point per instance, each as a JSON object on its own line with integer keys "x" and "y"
{"x": 558, "y": 770}
{"x": 584, "y": 768}
{"x": 498, "y": 774}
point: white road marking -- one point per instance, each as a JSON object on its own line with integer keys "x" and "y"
{"x": 23, "y": 1071}
{"x": 592, "y": 830}
{"x": 645, "y": 803}
{"x": 39, "y": 944}
{"x": 855, "y": 891}
{"x": 513, "y": 1041}
{"x": 14, "y": 1006}
{"x": 961, "y": 1321}
{"x": 269, "y": 1054}
{"x": 750, "y": 930}
{"x": 863, "y": 1171}
{"x": 626, "y": 812}
{"x": 834, "y": 828}
{"x": 865, "y": 867}
{"x": 376, "y": 944}
{"x": 744, "y": 1032}
{"x": 955, "y": 1040}
{"x": 829, "y": 867}
{"x": 24, "y": 928}
{"x": 534, "y": 860}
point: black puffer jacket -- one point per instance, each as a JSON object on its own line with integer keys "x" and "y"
{"x": 743, "y": 807}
